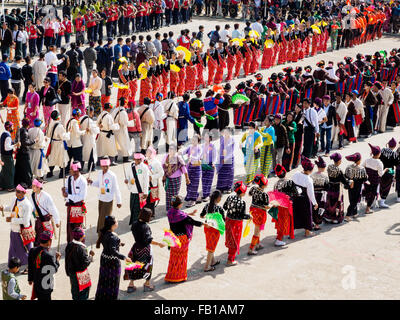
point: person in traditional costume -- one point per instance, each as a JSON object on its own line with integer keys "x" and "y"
{"x": 359, "y": 176}
{"x": 75, "y": 192}
{"x": 226, "y": 164}
{"x": 334, "y": 207}
{"x": 23, "y": 171}
{"x": 159, "y": 116}
{"x": 56, "y": 152}
{"x": 37, "y": 158}
{"x": 74, "y": 143}
{"x": 311, "y": 128}
{"x": 268, "y": 136}
{"x": 340, "y": 121}
{"x": 383, "y": 109}
{"x": 183, "y": 118}
{"x": 194, "y": 154}
{"x": 108, "y": 191}
{"x": 89, "y": 150}
{"x": 78, "y": 94}
{"x": 105, "y": 142}
{"x": 121, "y": 135}
{"x": 390, "y": 159}
{"x": 174, "y": 167}
{"x": 142, "y": 252}
{"x": 212, "y": 234}
{"x": 291, "y": 128}
{"x": 32, "y": 101}
{"x": 287, "y": 189}
{"x": 6, "y": 148}
{"x": 231, "y": 60}
{"x": 10, "y": 287}
{"x": 172, "y": 111}
{"x": 235, "y": 208}
{"x": 44, "y": 210}
{"x": 298, "y": 136}
{"x": 350, "y": 128}
{"x": 147, "y": 122}
{"x": 181, "y": 224}
{"x": 375, "y": 171}
{"x": 77, "y": 261}
{"x": 253, "y": 143}
{"x": 208, "y": 161}
{"x": 258, "y": 211}
{"x": 305, "y": 201}
{"x": 22, "y": 234}
{"x": 223, "y": 108}
{"x": 321, "y": 186}
{"x": 156, "y": 172}
{"x": 369, "y": 100}
{"x": 110, "y": 264}
{"x": 11, "y": 103}
{"x": 196, "y": 107}
{"x": 137, "y": 180}
{"x": 212, "y": 63}
{"x": 42, "y": 267}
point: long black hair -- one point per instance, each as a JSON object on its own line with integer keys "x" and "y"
{"x": 108, "y": 223}
{"x": 214, "y": 196}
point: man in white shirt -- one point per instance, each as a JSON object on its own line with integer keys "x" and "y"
{"x": 75, "y": 191}
{"x": 109, "y": 189}
{"x": 106, "y": 139}
{"x": 121, "y": 135}
{"x": 137, "y": 180}
{"x": 236, "y": 33}
{"x": 89, "y": 150}
{"x": 224, "y": 35}
{"x": 383, "y": 109}
{"x": 159, "y": 116}
{"x": 172, "y": 112}
{"x": 341, "y": 112}
{"x": 257, "y": 26}
{"x": 7, "y": 148}
{"x": 359, "y": 106}
{"x": 74, "y": 143}
{"x": 311, "y": 127}
{"x": 44, "y": 209}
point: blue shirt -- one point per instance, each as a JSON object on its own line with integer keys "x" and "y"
{"x": 5, "y": 73}
{"x": 117, "y": 51}
{"x": 125, "y": 50}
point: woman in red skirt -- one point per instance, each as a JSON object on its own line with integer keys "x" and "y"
{"x": 191, "y": 72}
{"x": 219, "y": 73}
{"x": 212, "y": 234}
{"x": 314, "y": 44}
{"x": 248, "y": 57}
{"x": 255, "y": 65}
{"x": 165, "y": 79}
{"x": 123, "y": 75}
{"x": 266, "y": 60}
{"x": 231, "y": 61}
{"x": 235, "y": 207}
{"x": 133, "y": 84}
{"x": 258, "y": 211}
{"x": 239, "y": 62}
{"x": 199, "y": 70}
{"x": 212, "y": 64}
{"x": 182, "y": 78}
{"x": 174, "y": 75}
{"x": 181, "y": 224}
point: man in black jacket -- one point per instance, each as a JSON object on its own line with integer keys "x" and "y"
{"x": 281, "y": 142}
{"x": 326, "y": 127}
{"x": 42, "y": 266}
{"x": 6, "y": 39}
{"x": 77, "y": 260}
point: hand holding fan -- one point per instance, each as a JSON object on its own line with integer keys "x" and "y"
{"x": 239, "y": 99}
{"x": 215, "y": 220}
{"x": 171, "y": 239}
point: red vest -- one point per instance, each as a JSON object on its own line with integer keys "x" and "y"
{"x": 79, "y": 24}
{"x": 31, "y": 32}
{"x": 68, "y": 26}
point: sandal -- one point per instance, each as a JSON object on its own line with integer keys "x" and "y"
{"x": 24, "y": 272}
{"x": 231, "y": 264}
{"x": 131, "y": 289}
{"x": 148, "y": 288}
{"x": 210, "y": 269}
{"x": 215, "y": 264}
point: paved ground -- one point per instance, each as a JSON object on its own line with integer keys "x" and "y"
{"x": 356, "y": 260}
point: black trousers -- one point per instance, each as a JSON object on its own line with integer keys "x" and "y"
{"x": 3, "y": 89}
{"x": 309, "y": 136}
{"x": 75, "y": 153}
{"x": 354, "y": 198}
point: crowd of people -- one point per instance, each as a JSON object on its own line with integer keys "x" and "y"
{"x": 294, "y": 116}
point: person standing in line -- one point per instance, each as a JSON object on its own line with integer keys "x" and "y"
{"x": 109, "y": 189}
{"x": 64, "y": 91}
{"x": 137, "y": 180}
{"x": 5, "y": 75}
{"x": 75, "y": 192}
{"x": 42, "y": 267}
{"x": 37, "y": 158}
{"x": 77, "y": 260}
{"x": 89, "y": 150}
{"x": 7, "y": 148}
{"x": 23, "y": 171}
{"x": 110, "y": 265}
{"x": 311, "y": 128}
